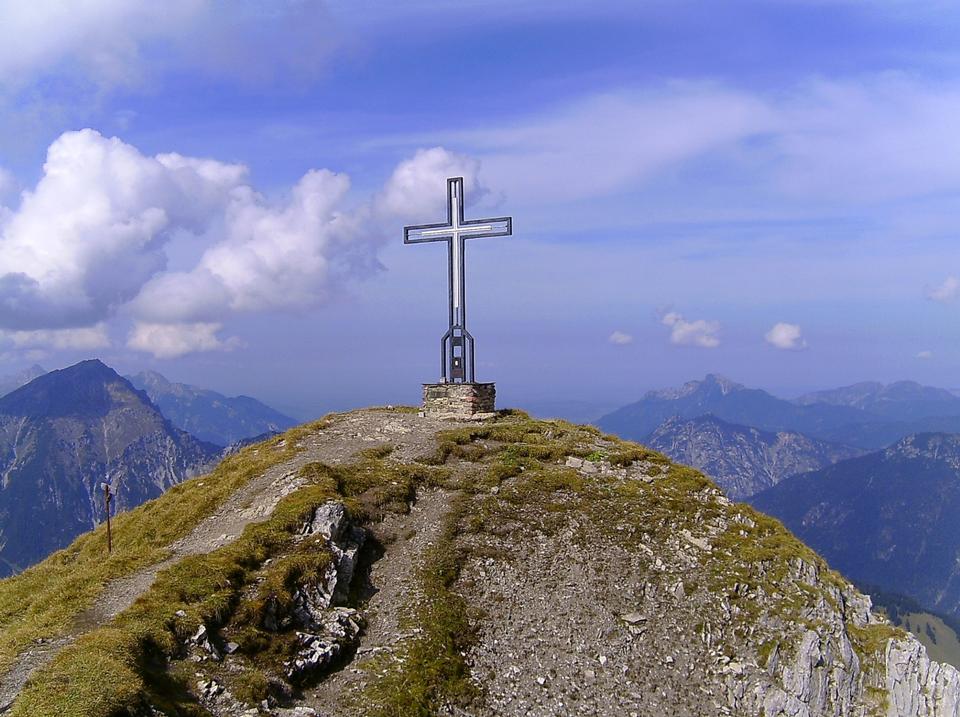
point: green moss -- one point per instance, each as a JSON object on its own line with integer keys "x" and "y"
{"x": 207, "y": 588}
{"x": 305, "y": 564}
{"x": 252, "y": 686}
{"x": 374, "y": 487}
{"x": 765, "y": 651}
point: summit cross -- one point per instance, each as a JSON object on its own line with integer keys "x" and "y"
{"x": 457, "y": 345}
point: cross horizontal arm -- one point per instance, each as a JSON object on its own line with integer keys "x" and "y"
{"x": 474, "y": 229}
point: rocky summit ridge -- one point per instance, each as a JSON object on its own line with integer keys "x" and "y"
{"x": 383, "y": 563}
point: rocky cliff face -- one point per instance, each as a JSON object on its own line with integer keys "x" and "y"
{"x": 515, "y": 567}
{"x": 743, "y": 460}
{"x": 63, "y": 434}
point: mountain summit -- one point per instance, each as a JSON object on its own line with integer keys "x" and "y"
{"x": 64, "y": 433}
{"x": 383, "y": 563}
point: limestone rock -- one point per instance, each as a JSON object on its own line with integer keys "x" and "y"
{"x": 339, "y": 631}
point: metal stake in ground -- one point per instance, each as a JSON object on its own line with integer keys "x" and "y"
{"x": 107, "y": 500}
{"x": 457, "y": 345}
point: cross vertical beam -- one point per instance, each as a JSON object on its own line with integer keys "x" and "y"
{"x": 457, "y": 352}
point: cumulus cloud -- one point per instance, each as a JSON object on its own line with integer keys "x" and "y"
{"x": 945, "y": 292}
{"x": 692, "y": 333}
{"x": 90, "y": 240}
{"x": 92, "y": 231}
{"x": 82, "y": 339}
{"x": 925, "y": 355}
{"x": 787, "y": 337}
{"x": 166, "y": 341}
{"x": 619, "y": 338}
{"x": 412, "y": 190}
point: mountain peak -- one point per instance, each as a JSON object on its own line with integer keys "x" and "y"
{"x": 151, "y": 381}
{"x": 721, "y": 382}
{"x": 86, "y": 388}
{"x": 712, "y": 383}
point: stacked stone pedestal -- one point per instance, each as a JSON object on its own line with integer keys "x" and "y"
{"x": 459, "y": 401}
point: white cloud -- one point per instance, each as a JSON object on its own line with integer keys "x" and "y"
{"x": 82, "y": 339}
{"x": 270, "y": 256}
{"x": 945, "y": 292}
{"x": 417, "y": 187}
{"x": 119, "y": 42}
{"x": 868, "y": 139}
{"x": 692, "y": 333}
{"x": 600, "y": 143}
{"x": 619, "y": 338}
{"x": 166, "y": 341}
{"x": 90, "y": 240}
{"x": 925, "y": 355}
{"x": 787, "y": 337}
{"x": 92, "y": 231}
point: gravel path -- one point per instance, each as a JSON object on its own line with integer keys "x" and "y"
{"x": 410, "y": 435}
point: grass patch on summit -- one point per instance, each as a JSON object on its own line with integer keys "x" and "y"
{"x": 44, "y": 600}
{"x": 122, "y": 667}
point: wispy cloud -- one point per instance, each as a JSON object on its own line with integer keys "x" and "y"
{"x": 947, "y": 291}
{"x": 858, "y": 140}
{"x": 700, "y": 332}
{"x": 925, "y": 355}
{"x": 80, "y": 339}
{"x": 112, "y": 43}
{"x": 619, "y": 338}
{"x": 787, "y": 337}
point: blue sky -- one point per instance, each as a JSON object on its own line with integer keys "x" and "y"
{"x": 216, "y": 190}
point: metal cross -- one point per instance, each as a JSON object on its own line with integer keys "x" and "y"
{"x": 456, "y": 346}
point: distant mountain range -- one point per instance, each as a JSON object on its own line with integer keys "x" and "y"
{"x": 64, "y": 433}
{"x": 15, "y": 381}
{"x": 867, "y": 416}
{"x": 887, "y": 519}
{"x": 743, "y": 460}
{"x": 868, "y": 474}
{"x": 208, "y": 415}
{"x": 900, "y": 401}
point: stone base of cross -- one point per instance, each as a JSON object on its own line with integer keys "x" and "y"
{"x": 460, "y": 401}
